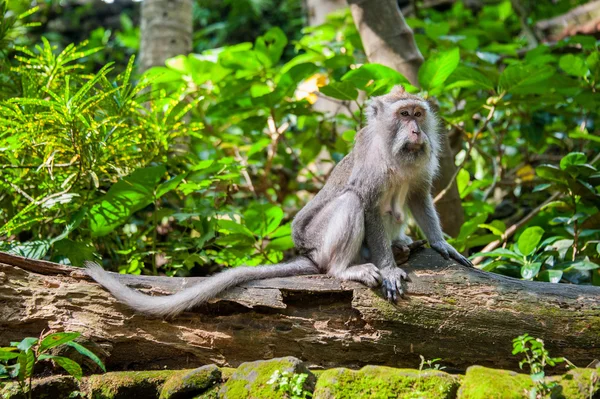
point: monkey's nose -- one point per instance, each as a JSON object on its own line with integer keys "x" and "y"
{"x": 416, "y": 132}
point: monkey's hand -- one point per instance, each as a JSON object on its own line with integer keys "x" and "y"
{"x": 391, "y": 287}
{"x": 448, "y": 251}
{"x": 402, "y": 252}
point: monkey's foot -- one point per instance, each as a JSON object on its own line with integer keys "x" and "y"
{"x": 402, "y": 252}
{"x": 448, "y": 251}
{"x": 391, "y": 288}
{"x": 367, "y": 273}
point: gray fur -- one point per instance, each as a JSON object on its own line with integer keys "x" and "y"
{"x": 348, "y": 228}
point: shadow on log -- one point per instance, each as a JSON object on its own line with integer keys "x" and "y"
{"x": 461, "y": 315}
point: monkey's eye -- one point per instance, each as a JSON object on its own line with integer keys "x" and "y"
{"x": 404, "y": 113}
{"x": 417, "y": 114}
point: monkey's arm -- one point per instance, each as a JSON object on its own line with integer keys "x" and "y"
{"x": 421, "y": 206}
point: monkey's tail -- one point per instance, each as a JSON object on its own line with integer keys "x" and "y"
{"x": 172, "y": 305}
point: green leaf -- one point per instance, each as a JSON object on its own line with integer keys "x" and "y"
{"x": 70, "y": 366}
{"x": 281, "y": 244}
{"x": 8, "y": 353}
{"x": 340, "y": 90}
{"x": 434, "y": 72}
{"x": 125, "y": 197}
{"x": 552, "y": 173}
{"x": 27, "y": 343}
{"x": 31, "y": 249}
{"x": 550, "y": 276}
{"x": 26, "y": 361}
{"x": 468, "y": 77}
{"x": 524, "y": 78}
{"x": 581, "y": 265}
{"x": 88, "y": 353}
{"x": 530, "y": 270}
{"x": 375, "y": 79}
{"x": 573, "y": 158}
{"x": 57, "y": 339}
{"x": 503, "y": 252}
{"x": 233, "y": 227}
{"x": 169, "y": 185}
{"x": 269, "y": 47}
{"x": 497, "y": 227}
{"x": 573, "y": 65}
{"x": 529, "y": 239}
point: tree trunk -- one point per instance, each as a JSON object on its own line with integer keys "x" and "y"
{"x": 166, "y": 30}
{"x": 389, "y": 41}
{"x": 463, "y": 316}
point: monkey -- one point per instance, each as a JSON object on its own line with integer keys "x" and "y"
{"x": 350, "y": 228}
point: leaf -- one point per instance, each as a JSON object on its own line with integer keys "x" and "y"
{"x": 552, "y": 173}
{"x": 27, "y": 343}
{"x": 550, "y": 276}
{"x": 497, "y": 227}
{"x": 506, "y": 253}
{"x": 529, "y": 239}
{"x": 70, "y": 366}
{"x": 269, "y": 47}
{"x": 281, "y": 244}
{"x": 125, "y": 197}
{"x": 573, "y": 158}
{"x": 524, "y": 78}
{"x": 26, "y": 361}
{"x": 434, "y": 72}
{"x": 468, "y": 77}
{"x": 233, "y": 227}
{"x": 573, "y": 65}
{"x": 375, "y": 79}
{"x": 57, "y": 339}
{"x": 8, "y": 353}
{"x": 31, "y": 249}
{"x": 340, "y": 90}
{"x": 581, "y": 265}
{"x": 88, "y": 353}
{"x": 169, "y": 185}
{"x": 530, "y": 270}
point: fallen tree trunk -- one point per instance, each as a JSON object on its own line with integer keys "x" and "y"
{"x": 463, "y": 316}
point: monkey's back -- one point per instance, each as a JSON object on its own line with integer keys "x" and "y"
{"x": 335, "y": 185}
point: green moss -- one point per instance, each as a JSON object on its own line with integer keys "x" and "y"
{"x": 483, "y": 383}
{"x": 578, "y": 383}
{"x": 250, "y": 379}
{"x": 128, "y": 384}
{"x": 189, "y": 383}
{"x": 385, "y": 382}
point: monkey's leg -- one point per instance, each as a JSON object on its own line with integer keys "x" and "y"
{"x": 378, "y": 239}
{"x": 341, "y": 226}
{"x": 402, "y": 251}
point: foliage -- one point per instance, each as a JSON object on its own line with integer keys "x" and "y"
{"x": 205, "y": 161}
{"x": 290, "y": 384}
{"x": 19, "y": 359}
{"x": 536, "y": 359}
{"x": 430, "y": 364}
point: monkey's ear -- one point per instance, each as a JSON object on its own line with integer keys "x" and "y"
{"x": 398, "y": 91}
{"x": 374, "y": 108}
{"x": 434, "y": 106}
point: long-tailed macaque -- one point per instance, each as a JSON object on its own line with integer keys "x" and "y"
{"x": 348, "y": 230}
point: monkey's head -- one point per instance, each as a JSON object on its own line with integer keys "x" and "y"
{"x": 408, "y": 126}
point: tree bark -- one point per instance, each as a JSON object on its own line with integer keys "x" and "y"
{"x": 464, "y": 316}
{"x": 166, "y": 30}
{"x": 389, "y": 41}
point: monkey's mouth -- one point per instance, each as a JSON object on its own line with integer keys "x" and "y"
{"x": 414, "y": 148}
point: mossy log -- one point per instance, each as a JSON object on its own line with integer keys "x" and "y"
{"x": 464, "y": 316}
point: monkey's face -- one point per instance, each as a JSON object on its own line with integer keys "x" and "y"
{"x": 409, "y": 139}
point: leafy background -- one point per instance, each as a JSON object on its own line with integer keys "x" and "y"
{"x": 202, "y": 163}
